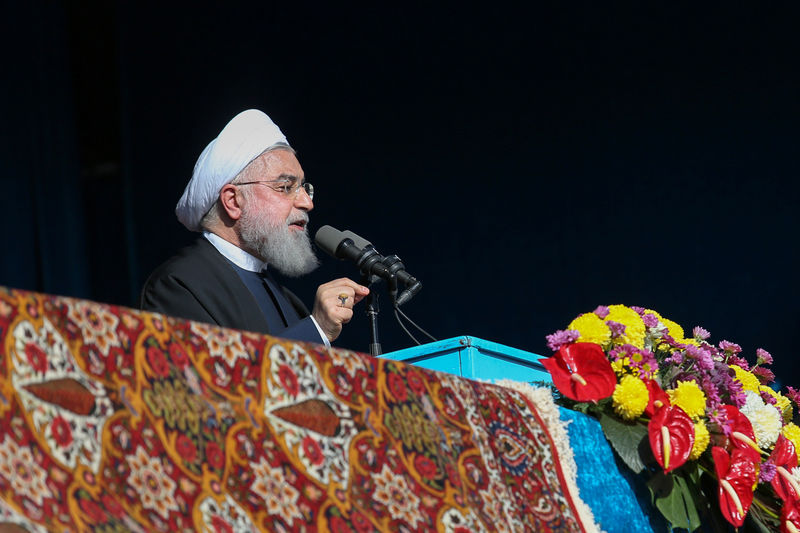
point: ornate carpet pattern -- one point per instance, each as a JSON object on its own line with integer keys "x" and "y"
{"x": 118, "y": 420}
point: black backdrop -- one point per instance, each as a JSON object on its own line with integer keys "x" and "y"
{"x": 526, "y": 164}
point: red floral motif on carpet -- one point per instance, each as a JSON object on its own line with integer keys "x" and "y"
{"x": 118, "y": 420}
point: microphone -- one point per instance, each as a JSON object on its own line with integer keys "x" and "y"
{"x": 348, "y": 245}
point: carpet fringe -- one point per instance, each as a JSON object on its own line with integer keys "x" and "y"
{"x": 542, "y": 398}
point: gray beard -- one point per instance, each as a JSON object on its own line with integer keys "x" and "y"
{"x": 287, "y": 251}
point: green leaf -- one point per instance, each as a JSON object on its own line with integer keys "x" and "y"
{"x": 673, "y": 497}
{"x": 690, "y": 502}
{"x": 625, "y": 439}
{"x": 760, "y": 521}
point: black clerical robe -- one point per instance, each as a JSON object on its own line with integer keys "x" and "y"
{"x": 198, "y": 283}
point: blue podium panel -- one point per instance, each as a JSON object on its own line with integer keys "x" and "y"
{"x": 475, "y": 358}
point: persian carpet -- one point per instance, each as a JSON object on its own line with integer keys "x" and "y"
{"x": 118, "y": 420}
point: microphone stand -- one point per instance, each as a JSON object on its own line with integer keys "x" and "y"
{"x": 372, "y": 309}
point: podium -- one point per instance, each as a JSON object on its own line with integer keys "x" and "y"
{"x": 618, "y": 498}
{"x": 475, "y": 358}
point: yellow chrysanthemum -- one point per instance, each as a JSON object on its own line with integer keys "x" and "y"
{"x": 620, "y": 366}
{"x": 674, "y": 329}
{"x": 701, "y": 440}
{"x": 792, "y": 432}
{"x": 783, "y": 403}
{"x": 748, "y": 380}
{"x": 689, "y": 397}
{"x": 630, "y": 397}
{"x": 634, "y": 327}
{"x": 651, "y": 312}
{"x": 591, "y": 328}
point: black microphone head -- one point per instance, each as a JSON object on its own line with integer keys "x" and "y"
{"x": 360, "y": 242}
{"x": 328, "y": 239}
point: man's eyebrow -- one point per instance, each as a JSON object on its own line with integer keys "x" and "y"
{"x": 286, "y": 176}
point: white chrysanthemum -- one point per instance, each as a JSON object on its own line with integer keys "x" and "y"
{"x": 766, "y": 420}
{"x": 796, "y": 474}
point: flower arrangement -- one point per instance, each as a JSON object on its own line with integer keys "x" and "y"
{"x": 722, "y": 442}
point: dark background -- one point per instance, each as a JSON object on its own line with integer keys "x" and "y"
{"x": 526, "y": 164}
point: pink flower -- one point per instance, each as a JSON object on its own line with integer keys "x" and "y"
{"x": 768, "y": 398}
{"x": 764, "y": 375}
{"x": 730, "y": 347}
{"x": 650, "y": 320}
{"x": 700, "y": 333}
{"x": 617, "y": 329}
{"x": 601, "y": 311}
{"x": 794, "y": 395}
{"x": 560, "y": 338}
{"x": 764, "y": 357}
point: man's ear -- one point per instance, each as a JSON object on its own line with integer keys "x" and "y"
{"x": 231, "y": 201}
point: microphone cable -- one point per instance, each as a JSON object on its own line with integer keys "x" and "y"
{"x": 398, "y": 313}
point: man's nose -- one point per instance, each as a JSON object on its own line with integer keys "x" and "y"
{"x": 302, "y": 200}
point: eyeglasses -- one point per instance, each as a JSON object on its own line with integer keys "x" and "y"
{"x": 286, "y": 186}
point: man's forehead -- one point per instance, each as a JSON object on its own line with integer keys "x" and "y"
{"x": 278, "y": 162}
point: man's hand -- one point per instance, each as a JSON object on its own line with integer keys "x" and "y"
{"x": 334, "y": 303}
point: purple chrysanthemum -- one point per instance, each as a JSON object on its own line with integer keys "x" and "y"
{"x": 676, "y": 358}
{"x": 794, "y": 395}
{"x": 601, "y": 311}
{"x": 730, "y": 347}
{"x": 705, "y": 360}
{"x": 650, "y": 320}
{"x": 617, "y": 328}
{"x": 768, "y": 398}
{"x": 730, "y": 389}
{"x": 720, "y": 419}
{"x": 764, "y": 357}
{"x": 700, "y": 333}
{"x": 562, "y": 337}
{"x": 642, "y": 360}
{"x": 768, "y": 470}
{"x": 764, "y": 375}
{"x": 737, "y": 395}
{"x": 712, "y": 393}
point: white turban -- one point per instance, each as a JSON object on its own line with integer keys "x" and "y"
{"x": 243, "y": 139}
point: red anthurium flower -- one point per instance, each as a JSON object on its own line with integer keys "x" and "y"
{"x": 658, "y": 398}
{"x": 737, "y": 477}
{"x": 785, "y": 459}
{"x": 581, "y": 371}
{"x": 742, "y": 436}
{"x": 671, "y": 433}
{"x": 790, "y": 518}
